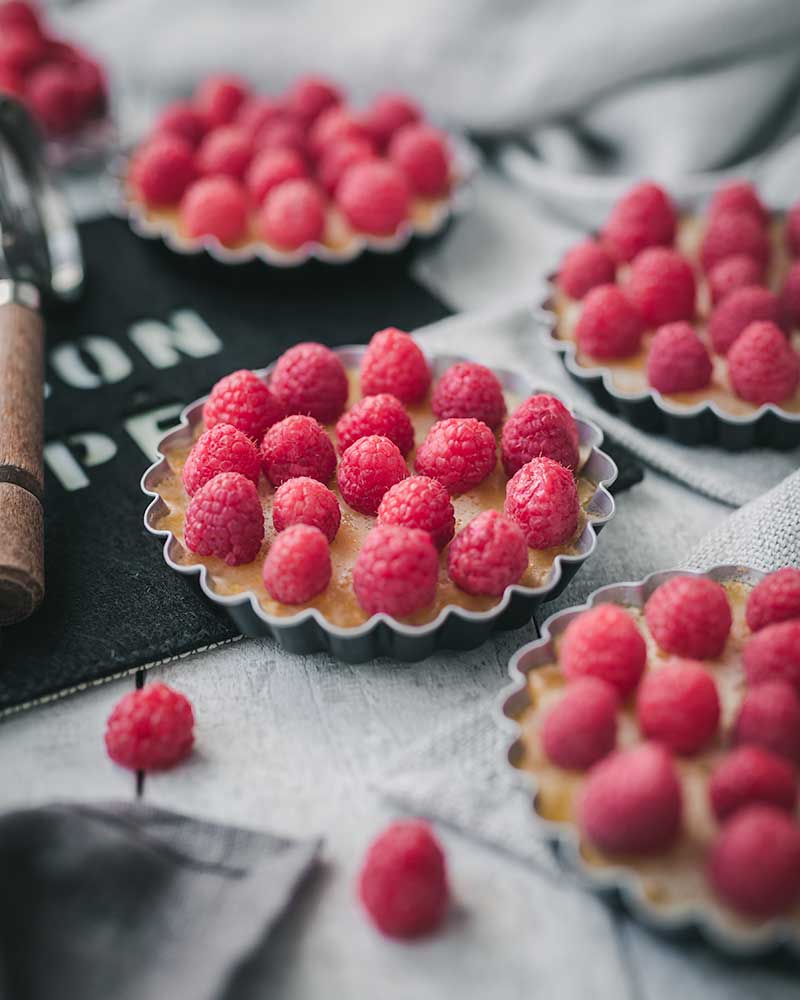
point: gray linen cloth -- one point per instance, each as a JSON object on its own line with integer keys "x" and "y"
{"x": 125, "y": 901}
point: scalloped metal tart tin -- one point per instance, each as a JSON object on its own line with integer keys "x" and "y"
{"x": 666, "y": 892}
{"x": 454, "y": 627}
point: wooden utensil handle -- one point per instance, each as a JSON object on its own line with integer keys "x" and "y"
{"x": 21, "y": 470}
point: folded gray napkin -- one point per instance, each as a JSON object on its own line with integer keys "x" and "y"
{"x": 129, "y": 902}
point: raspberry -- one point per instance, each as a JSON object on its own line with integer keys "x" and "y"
{"x": 678, "y": 360}
{"x": 420, "y": 502}
{"x": 541, "y": 425}
{"x": 332, "y": 125}
{"x": 150, "y": 729}
{"x": 604, "y": 643}
{"x": 272, "y": 167}
{"x": 88, "y": 77}
{"x": 543, "y": 500}
{"x": 608, "y": 326}
{"x": 297, "y": 446}
{"x": 224, "y": 519}
{"x": 243, "y": 400}
{"x": 644, "y": 217}
{"x": 736, "y": 271}
{"x": 488, "y": 555}
{"x": 773, "y": 654}
{"x": 183, "y": 120}
{"x": 338, "y": 157}
{"x": 775, "y": 599}
{"x": 581, "y": 727}
{"x": 689, "y": 616}
{"x": 369, "y": 467}
{"x": 256, "y": 112}
{"x": 11, "y": 82}
{"x": 733, "y": 233}
{"x": 769, "y": 717}
{"x": 678, "y": 705}
{"x": 387, "y": 114}
{"x": 793, "y": 230}
{"x": 749, "y": 775}
{"x": 396, "y": 571}
{"x": 293, "y": 214}
{"x": 584, "y": 267}
{"x": 394, "y": 363}
{"x": 422, "y": 154}
{"x": 54, "y": 97}
{"x": 737, "y": 311}
{"x": 661, "y": 286}
{"x": 383, "y": 414}
{"x": 459, "y": 452}
{"x": 762, "y": 365}
{"x": 18, "y": 14}
{"x": 218, "y": 98}
{"x": 222, "y": 448}
{"x": 790, "y": 297}
{"x": 282, "y": 133}
{"x": 310, "y": 96}
{"x": 306, "y": 501}
{"x": 21, "y": 50}
{"x": 738, "y": 196}
{"x": 470, "y": 390}
{"x": 162, "y": 170}
{"x": 298, "y": 565}
{"x": 374, "y": 197}
{"x": 215, "y": 206}
{"x": 403, "y": 881}
{"x": 309, "y": 378}
{"x": 754, "y": 865}
{"x": 631, "y": 802}
{"x": 227, "y": 151}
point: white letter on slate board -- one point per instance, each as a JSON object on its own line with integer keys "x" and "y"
{"x": 188, "y": 333}
{"x": 113, "y": 364}
{"x": 97, "y": 448}
{"x": 147, "y": 429}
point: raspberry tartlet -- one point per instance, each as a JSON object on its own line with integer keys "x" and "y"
{"x": 646, "y": 786}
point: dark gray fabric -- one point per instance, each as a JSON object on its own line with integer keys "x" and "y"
{"x": 122, "y": 901}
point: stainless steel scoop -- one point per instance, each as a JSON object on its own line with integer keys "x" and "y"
{"x": 40, "y": 260}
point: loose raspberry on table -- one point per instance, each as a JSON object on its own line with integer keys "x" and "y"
{"x": 581, "y": 728}
{"x": 541, "y": 425}
{"x": 403, "y": 881}
{"x": 22, "y": 49}
{"x": 467, "y": 389}
{"x": 306, "y": 501}
{"x": 310, "y": 96}
{"x": 750, "y": 775}
{"x": 225, "y": 519}
{"x": 183, "y": 120}
{"x": 460, "y": 452}
{"x": 297, "y": 446}
{"x": 762, "y": 365}
{"x": 543, "y": 500}
{"x": 736, "y": 271}
{"x": 387, "y": 114}
{"x": 775, "y": 599}
{"x": 333, "y": 125}
{"x": 310, "y": 378}
{"x": 609, "y": 326}
{"x": 584, "y": 267}
{"x": 243, "y": 400}
{"x": 678, "y": 360}
{"x": 382, "y": 414}
{"x": 769, "y": 716}
{"x": 282, "y": 133}
{"x": 369, "y": 467}
{"x": 18, "y": 14}
{"x": 256, "y": 112}
{"x": 218, "y": 98}
{"x": 661, "y": 286}
{"x": 732, "y": 233}
{"x": 298, "y": 565}
{"x": 631, "y": 802}
{"x": 150, "y": 729}
{"x": 394, "y": 363}
{"x": 54, "y": 96}
{"x": 773, "y": 654}
{"x": 678, "y": 705}
{"x": 11, "y": 82}
{"x": 488, "y": 555}
{"x": 737, "y": 311}
{"x": 162, "y": 170}
{"x": 790, "y": 298}
{"x": 643, "y": 217}
{"x": 689, "y": 616}
{"x": 227, "y": 151}
{"x": 222, "y": 448}
{"x": 374, "y": 197}
{"x": 604, "y": 643}
{"x": 396, "y": 571}
{"x": 738, "y": 196}
{"x": 420, "y": 502}
{"x": 215, "y": 206}
{"x": 293, "y": 214}
{"x": 421, "y": 153}
{"x": 338, "y": 157}
{"x": 792, "y": 224}
{"x": 272, "y": 167}
{"x": 754, "y": 864}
